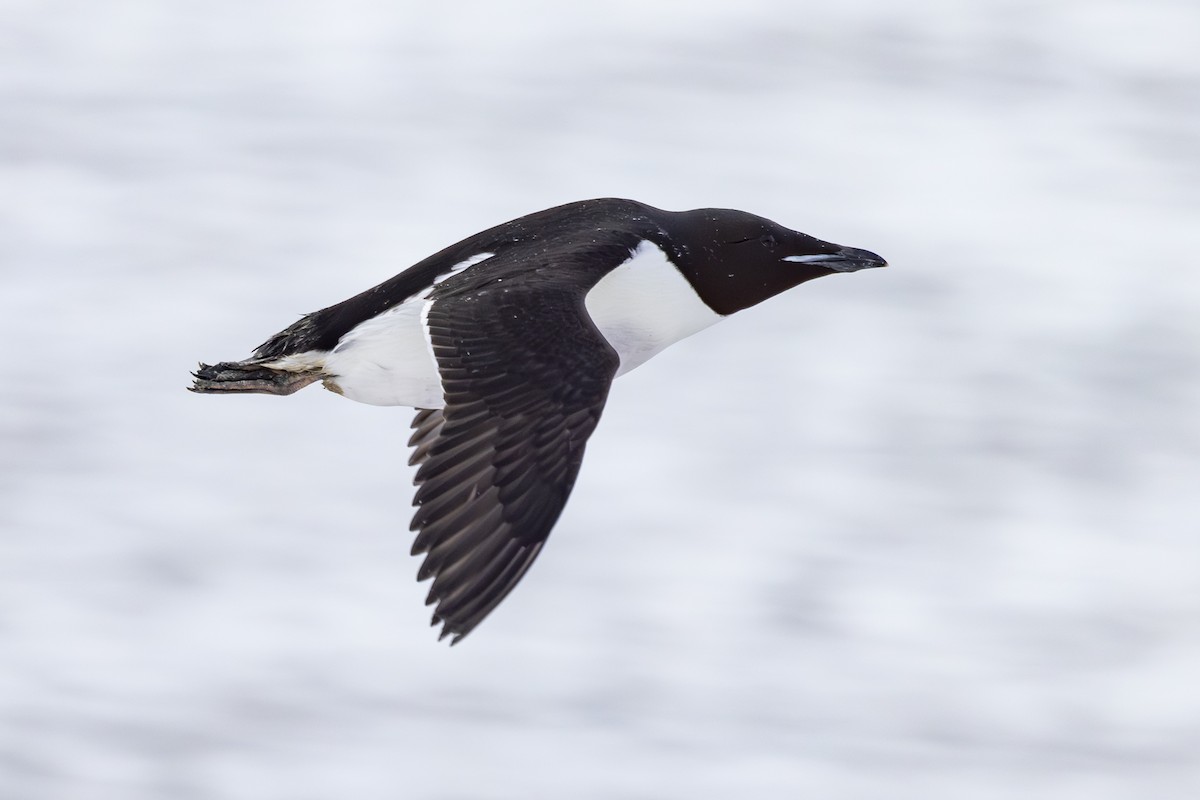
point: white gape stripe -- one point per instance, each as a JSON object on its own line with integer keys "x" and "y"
{"x": 646, "y": 305}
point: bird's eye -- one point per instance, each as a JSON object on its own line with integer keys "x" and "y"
{"x": 768, "y": 241}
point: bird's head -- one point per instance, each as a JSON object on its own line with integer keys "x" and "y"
{"x": 736, "y": 260}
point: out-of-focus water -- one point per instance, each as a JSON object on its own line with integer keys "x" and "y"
{"x": 930, "y": 532}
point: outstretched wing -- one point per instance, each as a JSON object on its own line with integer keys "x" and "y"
{"x": 526, "y": 374}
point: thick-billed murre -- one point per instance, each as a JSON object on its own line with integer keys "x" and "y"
{"x": 507, "y": 343}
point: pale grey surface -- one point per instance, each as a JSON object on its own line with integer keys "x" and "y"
{"x": 930, "y": 532}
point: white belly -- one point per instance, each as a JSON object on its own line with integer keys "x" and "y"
{"x": 641, "y": 307}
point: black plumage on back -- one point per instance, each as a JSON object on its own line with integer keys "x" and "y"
{"x": 554, "y": 227}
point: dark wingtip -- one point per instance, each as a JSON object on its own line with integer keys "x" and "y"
{"x": 446, "y": 630}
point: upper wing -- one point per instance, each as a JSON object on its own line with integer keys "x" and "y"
{"x": 526, "y": 375}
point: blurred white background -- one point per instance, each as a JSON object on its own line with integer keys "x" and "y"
{"x": 927, "y": 532}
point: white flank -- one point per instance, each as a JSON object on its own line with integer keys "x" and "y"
{"x": 388, "y": 360}
{"x": 645, "y": 305}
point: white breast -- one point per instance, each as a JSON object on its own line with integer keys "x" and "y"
{"x": 645, "y": 305}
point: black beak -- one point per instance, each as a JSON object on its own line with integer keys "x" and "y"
{"x": 846, "y": 259}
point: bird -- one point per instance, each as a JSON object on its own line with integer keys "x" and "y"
{"x": 506, "y": 345}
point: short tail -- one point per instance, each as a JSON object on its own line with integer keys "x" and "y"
{"x": 250, "y": 376}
